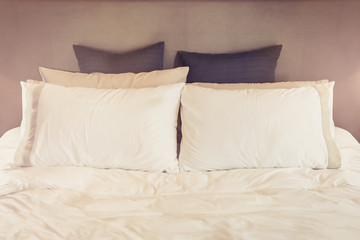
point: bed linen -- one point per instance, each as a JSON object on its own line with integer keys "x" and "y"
{"x": 145, "y": 59}
{"x": 251, "y": 128}
{"x": 254, "y": 66}
{"x": 325, "y": 89}
{"x": 132, "y": 128}
{"x": 89, "y": 203}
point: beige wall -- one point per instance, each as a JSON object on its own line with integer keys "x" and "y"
{"x": 321, "y": 39}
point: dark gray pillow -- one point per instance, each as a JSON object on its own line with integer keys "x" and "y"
{"x": 141, "y": 60}
{"x": 255, "y": 66}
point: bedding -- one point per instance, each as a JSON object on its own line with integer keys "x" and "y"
{"x": 254, "y": 66}
{"x": 251, "y": 128}
{"x": 88, "y": 203}
{"x": 95, "y": 158}
{"x": 146, "y": 59}
{"x": 131, "y": 128}
{"x": 325, "y": 90}
{"x": 113, "y": 81}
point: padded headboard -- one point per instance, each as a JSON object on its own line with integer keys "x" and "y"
{"x": 321, "y": 39}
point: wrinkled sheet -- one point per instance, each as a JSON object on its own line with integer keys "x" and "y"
{"x": 88, "y": 203}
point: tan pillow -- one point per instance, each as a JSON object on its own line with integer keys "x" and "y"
{"x": 325, "y": 90}
{"x": 114, "y": 81}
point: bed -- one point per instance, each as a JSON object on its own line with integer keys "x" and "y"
{"x": 89, "y": 203}
{"x": 97, "y": 156}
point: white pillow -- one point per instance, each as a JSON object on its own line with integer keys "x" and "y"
{"x": 325, "y": 90}
{"x": 113, "y": 81}
{"x": 124, "y": 128}
{"x": 8, "y": 144}
{"x": 251, "y": 128}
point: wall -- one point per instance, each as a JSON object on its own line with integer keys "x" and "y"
{"x": 321, "y": 39}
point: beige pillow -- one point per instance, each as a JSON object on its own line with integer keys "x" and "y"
{"x": 113, "y": 81}
{"x": 325, "y": 91}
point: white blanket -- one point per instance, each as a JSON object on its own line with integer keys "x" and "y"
{"x": 88, "y": 203}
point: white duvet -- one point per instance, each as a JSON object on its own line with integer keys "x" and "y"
{"x": 88, "y": 203}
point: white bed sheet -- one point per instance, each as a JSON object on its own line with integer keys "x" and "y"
{"x": 88, "y": 203}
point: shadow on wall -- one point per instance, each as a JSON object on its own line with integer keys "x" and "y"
{"x": 10, "y": 107}
{"x": 346, "y": 97}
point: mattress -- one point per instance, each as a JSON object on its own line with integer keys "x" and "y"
{"x": 90, "y": 203}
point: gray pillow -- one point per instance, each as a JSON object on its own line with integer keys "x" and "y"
{"x": 141, "y": 60}
{"x": 255, "y": 66}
